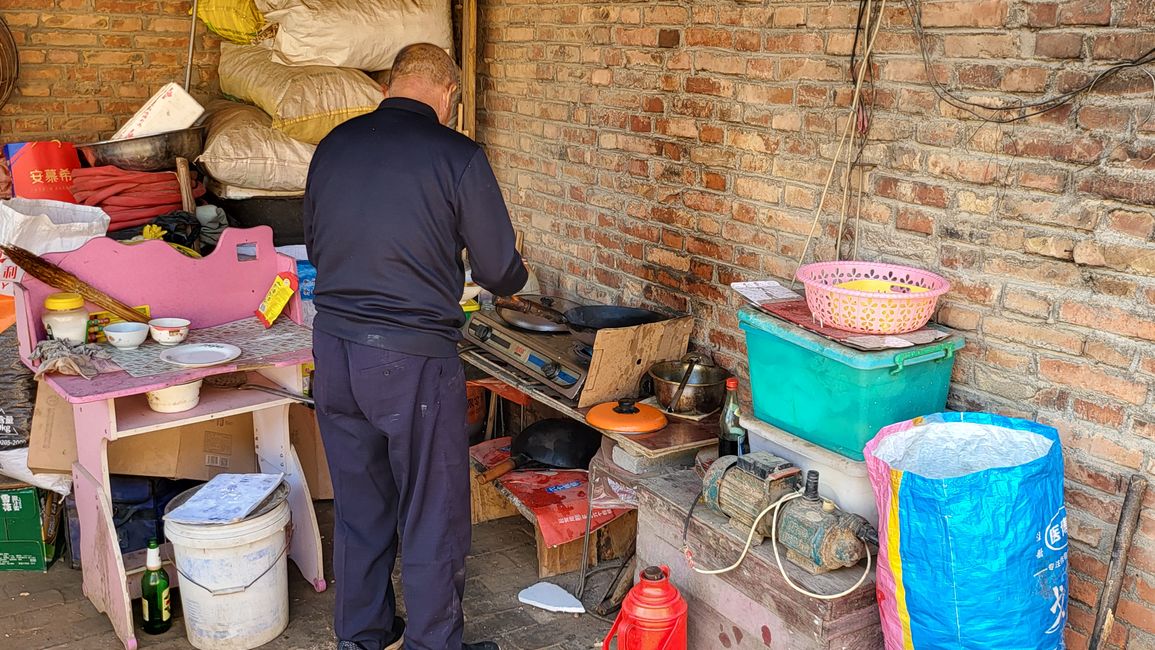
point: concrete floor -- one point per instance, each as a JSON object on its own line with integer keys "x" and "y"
{"x": 49, "y": 611}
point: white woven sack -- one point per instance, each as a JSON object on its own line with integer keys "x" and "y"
{"x": 305, "y": 102}
{"x": 244, "y": 149}
{"x": 361, "y": 34}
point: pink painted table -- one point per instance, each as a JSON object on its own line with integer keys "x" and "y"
{"x": 224, "y": 287}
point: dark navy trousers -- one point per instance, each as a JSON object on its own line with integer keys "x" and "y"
{"x": 393, "y": 426}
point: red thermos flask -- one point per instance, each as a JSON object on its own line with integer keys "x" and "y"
{"x": 653, "y": 615}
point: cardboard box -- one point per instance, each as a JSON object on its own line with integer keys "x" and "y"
{"x": 29, "y": 526}
{"x": 196, "y": 451}
{"x": 306, "y": 439}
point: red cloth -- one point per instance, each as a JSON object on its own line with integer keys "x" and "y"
{"x": 130, "y": 198}
{"x": 559, "y": 499}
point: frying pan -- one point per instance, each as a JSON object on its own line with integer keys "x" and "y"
{"x": 584, "y": 321}
{"x": 557, "y": 442}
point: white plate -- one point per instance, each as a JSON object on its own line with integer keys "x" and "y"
{"x": 200, "y": 355}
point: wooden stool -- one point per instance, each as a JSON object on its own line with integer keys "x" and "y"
{"x": 491, "y": 501}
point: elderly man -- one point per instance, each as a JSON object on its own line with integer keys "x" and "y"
{"x": 393, "y": 198}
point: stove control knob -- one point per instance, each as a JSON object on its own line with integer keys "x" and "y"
{"x": 550, "y": 369}
{"x": 483, "y": 332}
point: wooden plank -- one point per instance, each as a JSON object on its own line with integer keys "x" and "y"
{"x": 469, "y": 67}
{"x": 486, "y": 503}
{"x": 616, "y": 539}
{"x": 677, "y": 437}
{"x": 556, "y": 560}
{"x": 133, "y": 415}
{"x": 623, "y": 355}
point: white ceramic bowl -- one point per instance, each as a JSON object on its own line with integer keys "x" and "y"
{"x": 168, "y": 331}
{"x": 175, "y": 399}
{"x": 126, "y": 336}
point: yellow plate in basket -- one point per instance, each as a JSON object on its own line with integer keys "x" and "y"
{"x": 880, "y": 286}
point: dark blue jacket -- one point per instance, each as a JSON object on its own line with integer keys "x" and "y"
{"x": 392, "y": 199}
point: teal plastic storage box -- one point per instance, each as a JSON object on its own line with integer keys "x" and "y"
{"x": 836, "y": 396}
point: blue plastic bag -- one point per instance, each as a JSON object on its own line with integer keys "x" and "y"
{"x": 972, "y": 533}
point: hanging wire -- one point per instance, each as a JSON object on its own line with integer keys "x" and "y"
{"x": 1044, "y": 105}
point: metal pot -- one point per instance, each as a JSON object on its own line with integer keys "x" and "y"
{"x": 150, "y": 153}
{"x": 704, "y": 392}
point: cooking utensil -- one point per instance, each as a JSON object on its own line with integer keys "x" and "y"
{"x": 184, "y": 180}
{"x": 704, "y": 390}
{"x": 556, "y": 442}
{"x": 149, "y": 153}
{"x": 534, "y": 323}
{"x": 56, "y": 277}
{"x": 681, "y": 385}
{"x": 584, "y": 321}
{"x": 240, "y": 381}
{"x": 626, "y": 416}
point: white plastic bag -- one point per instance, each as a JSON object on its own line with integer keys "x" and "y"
{"x": 41, "y": 226}
{"x": 14, "y": 464}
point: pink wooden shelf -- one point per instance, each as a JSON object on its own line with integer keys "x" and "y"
{"x": 111, "y": 385}
{"x": 132, "y": 414}
{"x": 221, "y": 288}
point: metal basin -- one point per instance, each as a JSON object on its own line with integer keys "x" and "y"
{"x": 704, "y": 392}
{"x": 150, "y": 153}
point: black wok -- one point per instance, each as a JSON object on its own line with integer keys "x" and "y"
{"x": 584, "y": 321}
{"x": 557, "y": 442}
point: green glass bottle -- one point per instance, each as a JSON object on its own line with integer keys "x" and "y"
{"x": 154, "y": 597}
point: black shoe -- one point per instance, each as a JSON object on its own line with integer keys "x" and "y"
{"x": 481, "y": 645}
{"x": 396, "y": 638}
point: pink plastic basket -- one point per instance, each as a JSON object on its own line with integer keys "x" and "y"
{"x": 869, "y": 312}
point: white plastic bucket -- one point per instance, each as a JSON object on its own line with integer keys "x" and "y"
{"x": 233, "y": 577}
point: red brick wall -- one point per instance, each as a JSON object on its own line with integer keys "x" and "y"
{"x": 657, "y": 151}
{"x": 87, "y": 65}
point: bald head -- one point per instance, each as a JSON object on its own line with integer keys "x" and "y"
{"x": 424, "y": 72}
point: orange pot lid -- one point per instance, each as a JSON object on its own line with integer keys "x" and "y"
{"x": 626, "y": 416}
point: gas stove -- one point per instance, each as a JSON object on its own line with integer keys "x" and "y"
{"x": 557, "y": 360}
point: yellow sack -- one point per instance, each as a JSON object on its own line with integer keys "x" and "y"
{"x": 233, "y": 20}
{"x": 305, "y": 102}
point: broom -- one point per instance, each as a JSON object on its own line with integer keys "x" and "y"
{"x": 56, "y": 277}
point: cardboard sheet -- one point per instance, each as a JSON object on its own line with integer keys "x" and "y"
{"x": 196, "y": 451}
{"x": 623, "y": 355}
{"x": 306, "y": 439}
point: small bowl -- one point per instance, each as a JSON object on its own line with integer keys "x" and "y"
{"x": 126, "y": 336}
{"x": 168, "y": 331}
{"x": 175, "y": 399}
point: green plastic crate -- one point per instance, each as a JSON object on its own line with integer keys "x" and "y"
{"x": 836, "y": 396}
{"x": 29, "y": 522}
